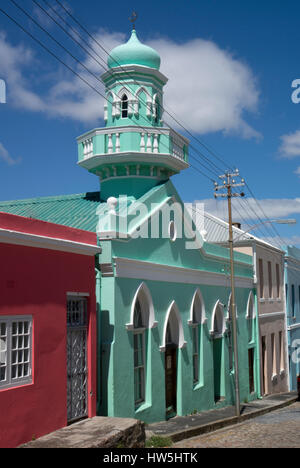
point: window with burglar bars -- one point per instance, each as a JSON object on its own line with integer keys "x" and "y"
{"x": 15, "y": 351}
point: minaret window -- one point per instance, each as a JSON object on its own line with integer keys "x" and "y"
{"x": 157, "y": 111}
{"x": 124, "y": 106}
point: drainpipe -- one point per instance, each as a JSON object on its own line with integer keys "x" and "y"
{"x": 98, "y": 321}
{"x": 285, "y": 301}
{"x": 258, "y": 357}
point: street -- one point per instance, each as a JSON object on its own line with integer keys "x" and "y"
{"x": 278, "y": 429}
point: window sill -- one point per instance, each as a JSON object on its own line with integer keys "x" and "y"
{"x": 16, "y": 386}
{"x": 142, "y": 407}
{"x": 198, "y": 386}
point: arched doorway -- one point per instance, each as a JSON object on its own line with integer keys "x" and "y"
{"x": 218, "y": 329}
{"x": 173, "y": 339}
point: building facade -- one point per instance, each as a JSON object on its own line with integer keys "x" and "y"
{"x": 268, "y": 275}
{"x": 292, "y": 294}
{"x": 165, "y": 343}
{"x": 47, "y": 328}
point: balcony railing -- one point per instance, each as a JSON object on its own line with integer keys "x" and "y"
{"x": 112, "y": 141}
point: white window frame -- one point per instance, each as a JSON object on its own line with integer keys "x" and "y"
{"x": 140, "y": 332}
{"x": 196, "y": 336}
{"x": 23, "y": 351}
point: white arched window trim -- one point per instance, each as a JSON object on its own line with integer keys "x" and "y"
{"x": 228, "y": 308}
{"x": 149, "y": 99}
{"x": 112, "y": 100}
{"x": 145, "y": 299}
{"x": 181, "y": 342}
{"x": 212, "y": 330}
{"x": 253, "y": 314}
{"x": 156, "y": 99}
{"x": 197, "y": 295}
{"x": 131, "y": 100}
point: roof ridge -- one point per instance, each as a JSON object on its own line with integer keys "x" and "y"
{"x": 49, "y": 199}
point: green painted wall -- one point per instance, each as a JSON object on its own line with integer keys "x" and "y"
{"x": 118, "y": 295}
{"x": 120, "y": 385}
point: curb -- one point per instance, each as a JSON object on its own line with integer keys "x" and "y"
{"x": 214, "y": 426}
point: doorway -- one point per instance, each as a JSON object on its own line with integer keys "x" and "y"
{"x": 171, "y": 380}
{"x": 264, "y": 364}
{"x": 251, "y": 369}
{"x": 77, "y": 407}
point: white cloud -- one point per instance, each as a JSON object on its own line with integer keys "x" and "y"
{"x": 68, "y": 97}
{"x": 290, "y": 146}
{"x": 297, "y": 171}
{"x": 282, "y": 241}
{"x": 5, "y": 156}
{"x": 247, "y": 209}
{"x": 209, "y": 89}
{"x": 13, "y": 60}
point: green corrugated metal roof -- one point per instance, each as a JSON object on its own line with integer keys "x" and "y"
{"x": 77, "y": 211}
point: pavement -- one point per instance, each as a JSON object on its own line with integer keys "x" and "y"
{"x": 277, "y": 429}
{"x": 184, "y": 427}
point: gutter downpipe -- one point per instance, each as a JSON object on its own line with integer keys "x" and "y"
{"x": 98, "y": 321}
{"x": 258, "y": 357}
{"x": 286, "y": 309}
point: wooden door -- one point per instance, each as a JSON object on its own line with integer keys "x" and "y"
{"x": 251, "y": 369}
{"x": 171, "y": 380}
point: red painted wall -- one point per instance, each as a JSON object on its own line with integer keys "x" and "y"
{"x": 34, "y": 281}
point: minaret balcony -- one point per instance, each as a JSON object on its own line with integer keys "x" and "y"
{"x": 151, "y": 145}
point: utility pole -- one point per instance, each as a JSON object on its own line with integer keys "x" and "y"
{"x": 229, "y": 183}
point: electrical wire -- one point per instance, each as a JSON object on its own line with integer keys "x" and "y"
{"x": 92, "y": 87}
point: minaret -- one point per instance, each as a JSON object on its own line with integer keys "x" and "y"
{"x": 134, "y": 151}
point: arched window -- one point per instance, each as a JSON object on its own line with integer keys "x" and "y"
{"x": 218, "y": 329}
{"x": 173, "y": 329}
{"x": 156, "y": 111}
{"x": 218, "y": 323}
{"x": 197, "y": 317}
{"x": 250, "y": 317}
{"x": 195, "y": 347}
{"x": 139, "y": 354}
{"x": 141, "y": 319}
{"x": 230, "y": 338}
{"x": 124, "y": 102}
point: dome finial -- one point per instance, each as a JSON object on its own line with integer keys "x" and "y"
{"x": 133, "y": 19}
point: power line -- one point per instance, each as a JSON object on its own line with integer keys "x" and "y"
{"x": 75, "y": 73}
{"x": 92, "y": 87}
{"x": 49, "y": 51}
{"x": 77, "y": 60}
{"x": 103, "y": 48}
{"x": 197, "y": 139}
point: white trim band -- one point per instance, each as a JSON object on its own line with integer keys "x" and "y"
{"x": 43, "y": 242}
{"x": 138, "y": 269}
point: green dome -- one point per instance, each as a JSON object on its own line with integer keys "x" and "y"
{"x": 134, "y": 53}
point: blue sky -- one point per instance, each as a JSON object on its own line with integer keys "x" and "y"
{"x": 230, "y": 66}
